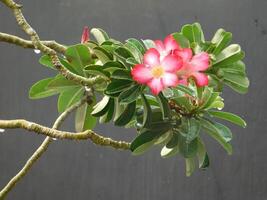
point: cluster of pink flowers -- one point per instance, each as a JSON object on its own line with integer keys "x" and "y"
{"x": 168, "y": 65}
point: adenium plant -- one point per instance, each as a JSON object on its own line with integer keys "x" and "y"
{"x": 168, "y": 90}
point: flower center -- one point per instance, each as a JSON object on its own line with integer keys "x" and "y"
{"x": 157, "y": 71}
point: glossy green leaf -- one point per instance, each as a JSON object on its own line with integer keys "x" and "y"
{"x": 60, "y": 83}
{"x": 96, "y": 70}
{"x": 137, "y": 54}
{"x": 188, "y": 150}
{"x": 118, "y": 86}
{"x": 112, "y": 66}
{"x": 203, "y": 158}
{"x": 100, "y": 35}
{"x": 40, "y": 90}
{"x": 147, "y": 116}
{"x": 123, "y": 53}
{"x": 181, "y": 39}
{"x": 217, "y": 132}
{"x": 139, "y": 45}
{"x": 193, "y": 33}
{"x": 229, "y": 117}
{"x": 78, "y": 56}
{"x": 126, "y": 115}
{"x": 163, "y": 103}
{"x": 173, "y": 141}
{"x": 101, "y": 107}
{"x": 221, "y": 39}
{"x": 186, "y": 90}
{"x": 83, "y": 118}
{"x": 102, "y": 55}
{"x": 189, "y": 166}
{"x": 69, "y": 97}
{"x": 237, "y": 79}
{"x": 46, "y": 61}
{"x": 122, "y": 74}
{"x": 168, "y": 152}
{"x": 130, "y": 94}
{"x": 190, "y": 129}
{"x": 149, "y": 43}
{"x": 108, "y": 116}
{"x": 229, "y": 55}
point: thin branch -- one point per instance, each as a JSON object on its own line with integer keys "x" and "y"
{"x": 39, "y": 129}
{"x": 38, "y": 153}
{"x": 12, "y": 39}
{"x": 25, "y": 26}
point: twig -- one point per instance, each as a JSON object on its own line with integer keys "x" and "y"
{"x": 12, "y": 39}
{"x": 85, "y": 135}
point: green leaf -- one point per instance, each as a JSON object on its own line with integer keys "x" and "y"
{"x": 229, "y": 55}
{"x": 137, "y": 54}
{"x": 122, "y": 74}
{"x": 101, "y": 107}
{"x": 126, "y": 115}
{"x": 122, "y": 52}
{"x": 83, "y": 118}
{"x": 189, "y": 166}
{"x": 143, "y": 148}
{"x": 100, "y": 35}
{"x": 229, "y": 117}
{"x": 143, "y": 138}
{"x": 118, "y": 86}
{"x": 220, "y": 134}
{"x": 102, "y": 55}
{"x": 96, "y": 70}
{"x": 237, "y": 79}
{"x": 221, "y": 39}
{"x": 193, "y": 33}
{"x": 149, "y": 43}
{"x": 131, "y": 61}
{"x": 60, "y": 83}
{"x": 69, "y": 67}
{"x": 202, "y": 155}
{"x": 78, "y": 56}
{"x": 147, "y": 116}
{"x": 139, "y": 45}
{"x": 108, "y": 116}
{"x": 69, "y": 97}
{"x": 163, "y": 103}
{"x": 236, "y": 87}
{"x": 173, "y": 141}
{"x": 190, "y": 129}
{"x": 112, "y": 66}
{"x": 168, "y": 152}
{"x": 182, "y": 40}
{"x": 130, "y": 94}
{"x": 39, "y": 90}
{"x": 46, "y": 61}
{"x": 186, "y": 90}
{"x": 188, "y": 150}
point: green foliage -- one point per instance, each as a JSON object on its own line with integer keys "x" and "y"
{"x": 176, "y": 118}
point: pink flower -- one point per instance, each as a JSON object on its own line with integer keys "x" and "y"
{"x": 156, "y": 72}
{"x": 168, "y": 46}
{"x": 193, "y": 66}
{"x": 85, "y": 35}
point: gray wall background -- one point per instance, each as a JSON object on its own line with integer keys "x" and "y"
{"x": 80, "y": 170}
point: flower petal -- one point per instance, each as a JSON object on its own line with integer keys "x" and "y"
{"x": 201, "y": 79}
{"x": 171, "y": 63}
{"x": 159, "y": 45}
{"x": 183, "y": 81}
{"x": 185, "y": 54}
{"x": 141, "y": 73}
{"x": 152, "y": 57}
{"x": 170, "y": 43}
{"x": 170, "y": 80}
{"x": 200, "y": 62}
{"x": 156, "y": 85}
{"x": 85, "y": 35}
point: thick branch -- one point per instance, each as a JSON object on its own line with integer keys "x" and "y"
{"x": 38, "y": 153}
{"x": 39, "y": 129}
{"x": 25, "y": 26}
{"x": 12, "y": 39}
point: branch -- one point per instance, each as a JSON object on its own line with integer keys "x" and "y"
{"x": 37, "y": 43}
{"x": 38, "y": 153}
{"x": 12, "y": 39}
{"x": 39, "y": 129}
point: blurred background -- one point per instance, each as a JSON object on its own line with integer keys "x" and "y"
{"x": 80, "y": 170}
